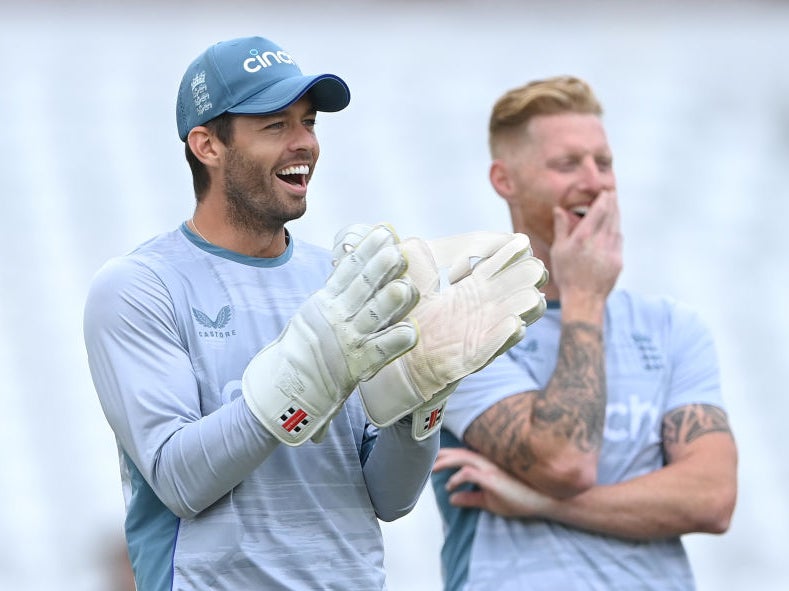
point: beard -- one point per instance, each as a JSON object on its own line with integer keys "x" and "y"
{"x": 253, "y": 202}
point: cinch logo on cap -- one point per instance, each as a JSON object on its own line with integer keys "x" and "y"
{"x": 263, "y": 60}
{"x": 216, "y": 82}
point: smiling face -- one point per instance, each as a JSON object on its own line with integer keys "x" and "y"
{"x": 268, "y": 165}
{"x": 553, "y": 160}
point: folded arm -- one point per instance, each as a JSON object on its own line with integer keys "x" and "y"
{"x": 695, "y": 492}
{"x": 551, "y": 439}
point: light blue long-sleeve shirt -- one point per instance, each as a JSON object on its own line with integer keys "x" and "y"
{"x": 213, "y": 500}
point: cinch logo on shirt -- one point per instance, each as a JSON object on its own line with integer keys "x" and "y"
{"x": 263, "y": 60}
{"x": 215, "y": 326}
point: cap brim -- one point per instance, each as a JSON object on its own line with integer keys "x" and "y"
{"x": 327, "y": 92}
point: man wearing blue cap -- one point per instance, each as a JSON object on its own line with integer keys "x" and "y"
{"x": 271, "y": 400}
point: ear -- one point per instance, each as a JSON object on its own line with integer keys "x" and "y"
{"x": 204, "y": 145}
{"x": 500, "y": 179}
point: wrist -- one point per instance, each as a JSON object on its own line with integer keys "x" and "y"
{"x": 582, "y": 307}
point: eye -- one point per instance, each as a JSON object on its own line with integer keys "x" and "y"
{"x": 275, "y": 125}
{"x": 565, "y": 164}
{"x": 604, "y": 164}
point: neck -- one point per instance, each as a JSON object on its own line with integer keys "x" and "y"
{"x": 193, "y": 226}
{"x": 261, "y": 244}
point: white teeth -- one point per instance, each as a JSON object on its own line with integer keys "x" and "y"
{"x": 581, "y": 210}
{"x": 300, "y": 169}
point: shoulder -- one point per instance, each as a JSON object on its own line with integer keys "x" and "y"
{"x": 628, "y": 300}
{"x": 136, "y": 266}
{"x": 629, "y": 305}
{"x": 120, "y": 274}
{"x": 129, "y": 280}
{"x": 661, "y": 324}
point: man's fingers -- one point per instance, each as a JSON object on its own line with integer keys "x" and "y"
{"x": 560, "y": 224}
{"x": 597, "y": 215}
{"x": 454, "y": 457}
{"x": 603, "y": 215}
{"x": 613, "y": 220}
{"x": 468, "y": 498}
{"x": 467, "y": 474}
{"x": 605, "y": 227}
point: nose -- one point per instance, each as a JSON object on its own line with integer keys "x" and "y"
{"x": 592, "y": 179}
{"x": 302, "y": 137}
{"x": 595, "y": 178}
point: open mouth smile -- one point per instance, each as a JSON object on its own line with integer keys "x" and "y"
{"x": 580, "y": 210}
{"x": 295, "y": 175}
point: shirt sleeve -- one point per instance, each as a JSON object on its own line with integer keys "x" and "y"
{"x": 397, "y": 468}
{"x": 695, "y": 373}
{"x": 149, "y": 394}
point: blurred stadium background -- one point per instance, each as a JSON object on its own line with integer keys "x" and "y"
{"x": 697, "y": 101}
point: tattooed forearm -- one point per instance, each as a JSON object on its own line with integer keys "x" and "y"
{"x": 573, "y": 403}
{"x": 684, "y": 424}
{"x": 571, "y": 409}
{"x": 498, "y": 433}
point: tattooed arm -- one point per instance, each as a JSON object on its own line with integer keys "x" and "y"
{"x": 551, "y": 439}
{"x": 695, "y": 492}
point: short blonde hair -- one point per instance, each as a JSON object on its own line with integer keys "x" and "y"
{"x": 551, "y": 96}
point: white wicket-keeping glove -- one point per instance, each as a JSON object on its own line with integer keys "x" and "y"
{"x": 345, "y": 332}
{"x": 478, "y": 292}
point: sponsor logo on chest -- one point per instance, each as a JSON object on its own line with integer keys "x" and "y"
{"x": 214, "y": 328}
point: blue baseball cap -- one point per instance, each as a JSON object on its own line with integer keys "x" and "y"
{"x": 251, "y": 76}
